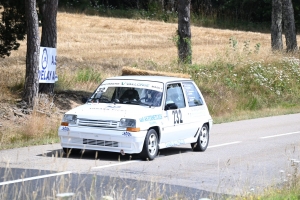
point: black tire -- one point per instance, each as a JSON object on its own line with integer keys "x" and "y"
{"x": 150, "y": 147}
{"x": 70, "y": 151}
{"x": 203, "y": 139}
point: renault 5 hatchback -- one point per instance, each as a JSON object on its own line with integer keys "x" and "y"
{"x": 138, "y": 115}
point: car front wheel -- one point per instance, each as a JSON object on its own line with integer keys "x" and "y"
{"x": 203, "y": 139}
{"x": 150, "y": 147}
{"x": 70, "y": 151}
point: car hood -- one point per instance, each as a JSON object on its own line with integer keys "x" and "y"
{"x": 110, "y": 111}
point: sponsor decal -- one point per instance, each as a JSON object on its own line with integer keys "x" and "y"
{"x": 175, "y": 143}
{"x": 137, "y": 84}
{"x": 113, "y": 107}
{"x": 151, "y": 123}
{"x": 127, "y": 134}
{"x": 151, "y": 118}
{"x": 102, "y": 89}
{"x": 110, "y": 83}
{"x": 107, "y": 108}
{"x": 65, "y": 128}
{"x": 155, "y": 87}
{"x": 132, "y": 83}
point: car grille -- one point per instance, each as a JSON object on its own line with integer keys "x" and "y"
{"x": 101, "y": 143}
{"x": 97, "y": 123}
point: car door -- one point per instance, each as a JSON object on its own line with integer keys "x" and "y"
{"x": 198, "y": 109}
{"x": 175, "y": 116}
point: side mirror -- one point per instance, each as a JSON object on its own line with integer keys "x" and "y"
{"x": 198, "y": 102}
{"x": 171, "y": 106}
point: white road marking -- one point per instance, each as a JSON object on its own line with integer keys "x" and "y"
{"x": 34, "y": 178}
{"x": 69, "y": 194}
{"x": 112, "y": 165}
{"x": 279, "y": 135}
{"x": 225, "y": 144}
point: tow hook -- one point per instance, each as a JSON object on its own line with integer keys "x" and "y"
{"x": 122, "y": 152}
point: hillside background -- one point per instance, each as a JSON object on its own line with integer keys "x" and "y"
{"x": 236, "y": 70}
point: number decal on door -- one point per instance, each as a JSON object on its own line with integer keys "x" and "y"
{"x": 177, "y": 116}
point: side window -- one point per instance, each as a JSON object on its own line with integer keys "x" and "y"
{"x": 175, "y": 95}
{"x": 193, "y": 96}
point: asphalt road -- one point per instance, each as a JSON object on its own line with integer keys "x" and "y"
{"x": 242, "y": 157}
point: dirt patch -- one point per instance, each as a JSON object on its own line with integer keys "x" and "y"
{"x": 15, "y": 113}
{"x": 66, "y": 100}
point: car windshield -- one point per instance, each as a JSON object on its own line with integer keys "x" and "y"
{"x": 128, "y": 92}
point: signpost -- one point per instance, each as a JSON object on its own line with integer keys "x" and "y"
{"x": 47, "y": 65}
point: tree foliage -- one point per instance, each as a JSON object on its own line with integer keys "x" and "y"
{"x": 12, "y": 25}
{"x": 254, "y": 11}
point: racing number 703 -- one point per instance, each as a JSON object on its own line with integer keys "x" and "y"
{"x": 177, "y": 116}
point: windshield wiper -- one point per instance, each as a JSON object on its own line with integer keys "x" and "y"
{"x": 139, "y": 103}
{"x": 105, "y": 100}
{"x": 99, "y": 100}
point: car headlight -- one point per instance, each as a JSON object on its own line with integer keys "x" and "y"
{"x": 69, "y": 119}
{"x": 129, "y": 124}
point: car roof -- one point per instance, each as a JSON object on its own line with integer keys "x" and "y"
{"x": 162, "y": 79}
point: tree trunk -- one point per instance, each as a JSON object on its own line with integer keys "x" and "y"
{"x": 32, "y": 54}
{"x": 276, "y": 27}
{"x": 184, "y": 31}
{"x": 289, "y": 25}
{"x": 49, "y": 35}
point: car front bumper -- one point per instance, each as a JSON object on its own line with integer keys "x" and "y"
{"x": 101, "y": 139}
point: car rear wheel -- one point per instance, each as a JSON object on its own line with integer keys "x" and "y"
{"x": 150, "y": 147}
{"x": 203, "y": 139}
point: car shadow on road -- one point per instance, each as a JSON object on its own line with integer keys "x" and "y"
{"x": 174, "y": 151}
{"x": 112, "y": 156}
{"x": 90, "y": 155}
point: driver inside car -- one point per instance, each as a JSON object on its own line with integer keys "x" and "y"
{"x": 153, "y": 98}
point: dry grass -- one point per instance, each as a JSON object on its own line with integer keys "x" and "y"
{"x": 108, "y": 44}
{"x": 18, "y": 129}
{"x": 118, "y": 42}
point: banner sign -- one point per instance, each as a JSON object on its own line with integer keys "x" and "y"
{"x": 47, "y": 65}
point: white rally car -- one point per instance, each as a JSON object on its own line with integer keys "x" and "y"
{"x": 138, "y": 115}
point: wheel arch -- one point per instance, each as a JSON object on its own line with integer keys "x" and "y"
{"x": 207, "y": 123}
{"x": 157, "y": 129}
